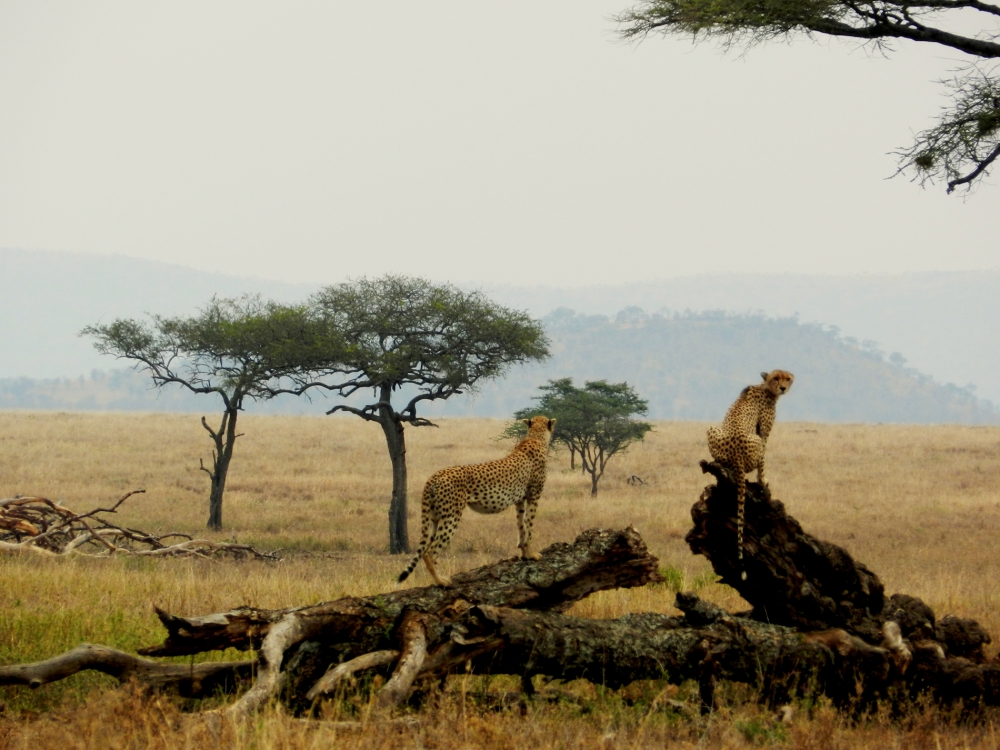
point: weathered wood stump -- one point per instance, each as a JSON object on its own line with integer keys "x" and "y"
{"x": 797, "y": 580}
{"x": 793, "y": 578}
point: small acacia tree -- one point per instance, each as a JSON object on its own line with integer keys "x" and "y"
{"x": 238, "y": 349}
{"x": 416, "y": 341}
{"x": 964, "y": 142}
{"x": 594, "y": 422}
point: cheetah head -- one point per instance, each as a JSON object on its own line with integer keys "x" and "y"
{"x": 540, "y": 428}
{"x": 778, "y": 381}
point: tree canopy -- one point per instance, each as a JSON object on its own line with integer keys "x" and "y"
{"x": 595, "y": 422}
{"x": 238, "y": 349}
{"x": 965, "y": 141}
{"x": 418, "y": 341}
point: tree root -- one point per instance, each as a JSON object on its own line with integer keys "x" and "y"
{"x": 340, "y": 673}
{"x": 411, "y": 660}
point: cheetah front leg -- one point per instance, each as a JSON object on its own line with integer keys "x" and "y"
{"x": 761, "y": 479}
{"x": 526, "y": 510}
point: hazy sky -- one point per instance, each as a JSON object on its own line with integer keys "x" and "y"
{"x": 512, "y": 142}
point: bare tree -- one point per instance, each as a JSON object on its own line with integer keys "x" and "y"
{"x": 237, "y": 349}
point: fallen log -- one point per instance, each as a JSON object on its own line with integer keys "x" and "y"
{"x": 296, "y": 646}
{"x": 706, "y": 645}
{"x": 820, "y": 624}
{"x": 598, "y": 560}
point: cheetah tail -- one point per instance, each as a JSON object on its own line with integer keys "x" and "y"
{"x": 426, "y": 533}
{"x": 416, "y": 559}
{"x": 741, "y": 496}
{"x": 409, "y": 568}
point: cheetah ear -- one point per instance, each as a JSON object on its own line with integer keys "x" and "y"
{"x": 763, "y": 376}
{"x": 552, "y": 424}
{"x": 527, "y": 422}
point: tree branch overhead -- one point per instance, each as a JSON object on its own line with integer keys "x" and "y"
{"x": 950, "y": 151}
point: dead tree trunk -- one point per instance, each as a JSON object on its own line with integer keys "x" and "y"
{"x": 797, "y": 580}
{"x": 597, "y": 561}
{"x": 297, "y": 646}
{"x": 793, "y": 578}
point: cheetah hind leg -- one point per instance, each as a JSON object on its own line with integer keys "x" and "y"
{"x": 441, "y": 580}
{"x": 443, "y": 531}
{"x": 426, "y": 551}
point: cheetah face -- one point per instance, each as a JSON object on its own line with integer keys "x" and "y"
{"x": 540, "y": 428}
{"x": 778, "y": 381}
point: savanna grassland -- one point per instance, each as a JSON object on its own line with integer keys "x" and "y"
{"x": 919, "y": 505}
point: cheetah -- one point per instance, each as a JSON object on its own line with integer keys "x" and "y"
{"x": 486, "y": 488}
{"x": 742, "y": 439}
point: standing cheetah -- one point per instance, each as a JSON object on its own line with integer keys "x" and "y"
{"x": 742, "y": 439}
{"x": 486, "y": 488}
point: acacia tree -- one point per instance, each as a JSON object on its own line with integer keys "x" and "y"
{"x": 555, "y": 396}
{"x": 238, "y": 349}
{"x": 417, "y": 341}
{"x": 964, "y": 142}
{"x": 594, "y": 422}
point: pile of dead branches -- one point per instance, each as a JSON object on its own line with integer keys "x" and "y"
{"x": 39, "y": 525}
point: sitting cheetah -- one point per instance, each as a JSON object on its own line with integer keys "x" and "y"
{"x": 486, "y": 488}
{"x": 740, "y": 442}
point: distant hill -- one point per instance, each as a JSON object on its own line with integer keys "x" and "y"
{"x": 947, "y": 325}
{"x": 692, "y": 366}
{"x": 688, "y": 366}
{"x": 944, "y": 324}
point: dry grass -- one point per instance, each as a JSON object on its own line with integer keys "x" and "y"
{"x": 919, "y": 505}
